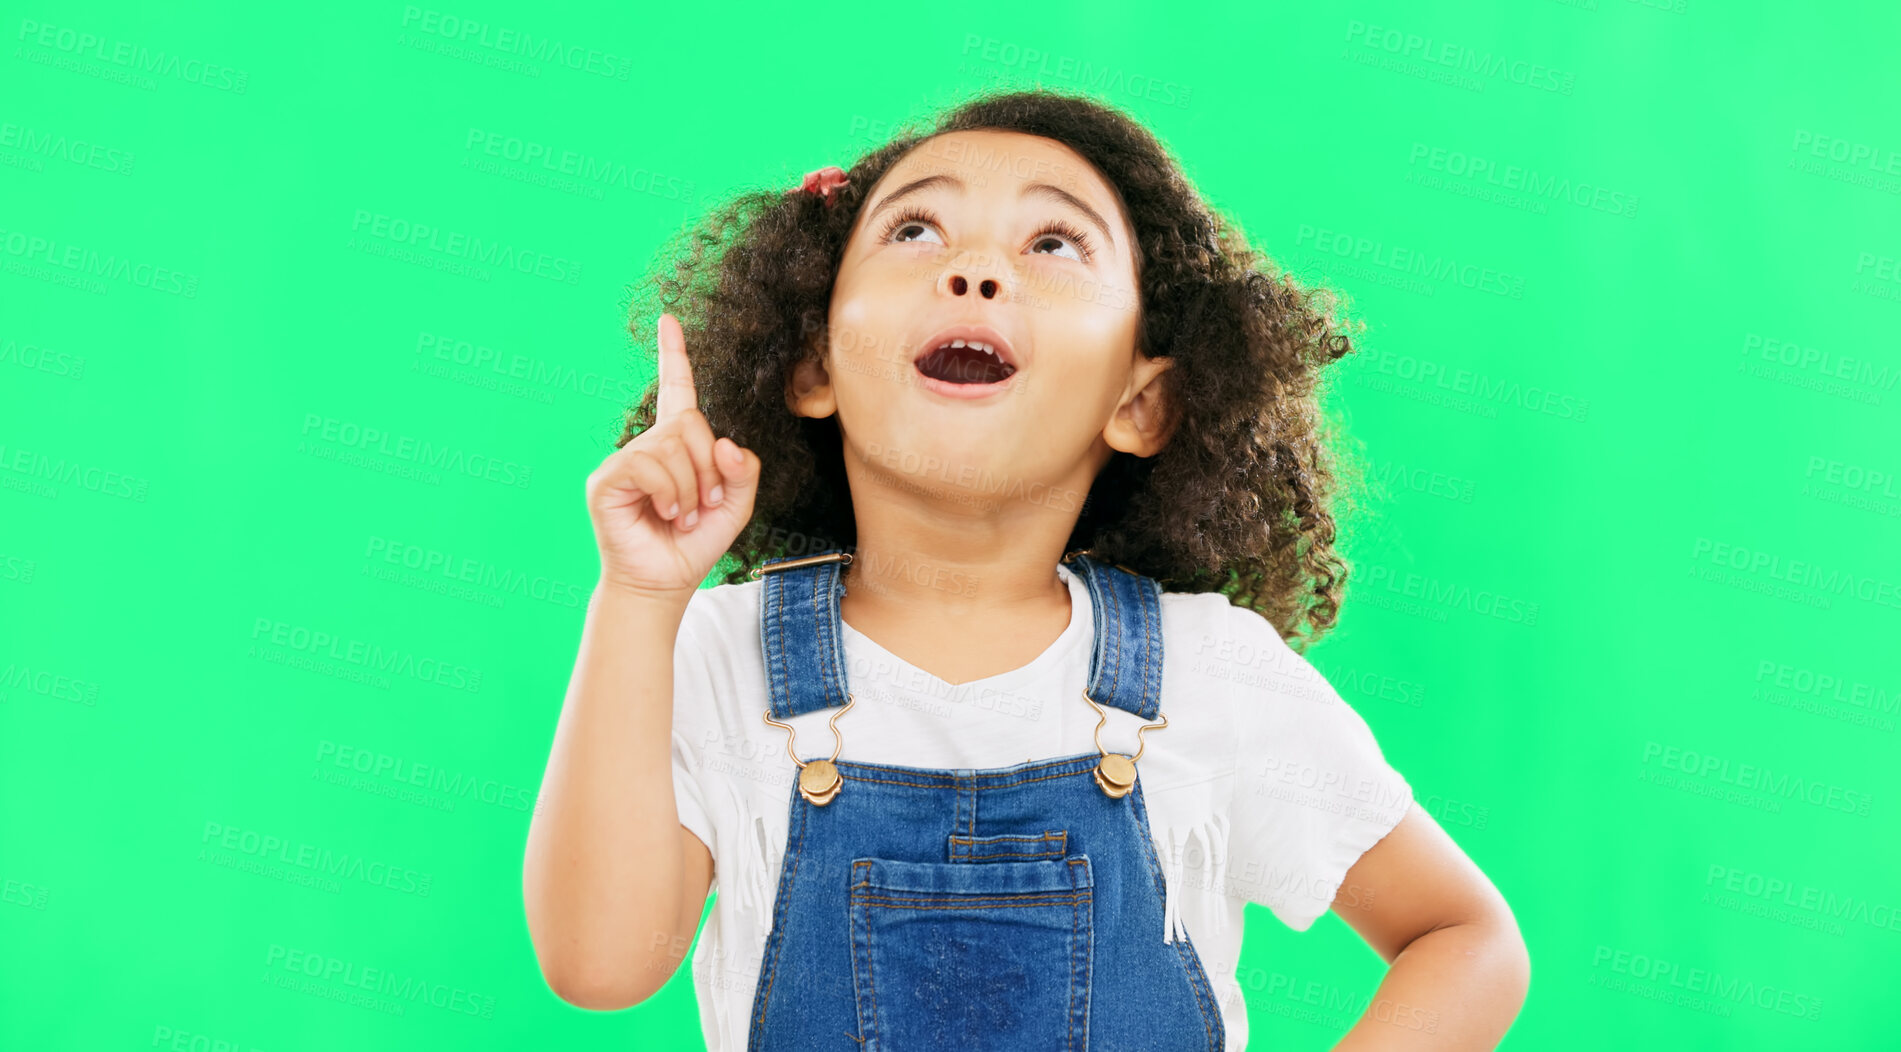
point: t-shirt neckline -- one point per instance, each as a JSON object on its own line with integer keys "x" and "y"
{"x": 1081, "y": 624}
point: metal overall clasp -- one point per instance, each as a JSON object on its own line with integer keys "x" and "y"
{"x": 1115, "y": 773}
{"x": 819, "y": 780}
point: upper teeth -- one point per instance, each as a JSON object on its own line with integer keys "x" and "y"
{"x": 973, "y": 344}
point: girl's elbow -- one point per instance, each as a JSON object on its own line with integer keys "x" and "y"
{"x": 596, "y": 990}
{"x": 1512, "y": 957}
{"x": 1495, "y": 948}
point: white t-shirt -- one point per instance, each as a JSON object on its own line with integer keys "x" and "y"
{"x": 1265, "y": 786}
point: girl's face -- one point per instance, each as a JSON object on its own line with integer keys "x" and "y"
{"x": 1010, "y": 241}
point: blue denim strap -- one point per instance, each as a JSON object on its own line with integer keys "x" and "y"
{"x": 801, "y": 635}
{"x": 1125, "y": 667}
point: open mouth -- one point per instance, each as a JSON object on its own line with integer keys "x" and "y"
{"x": 965, "y": 361}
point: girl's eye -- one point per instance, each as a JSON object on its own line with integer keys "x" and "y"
{"x": 914, "y": 225}
{"x": 905, "y": 223}
{"x": 910, "y": 226}
{"x": 1058, "y": 232}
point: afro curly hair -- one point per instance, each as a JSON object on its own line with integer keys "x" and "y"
{"x": 1240, "y": 500}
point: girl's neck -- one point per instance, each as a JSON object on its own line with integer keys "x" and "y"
{"x": 961, "y": 614}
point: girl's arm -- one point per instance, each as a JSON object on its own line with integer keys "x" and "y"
{"x": 613, "y": 884}
{"x": 1459, "y": 970}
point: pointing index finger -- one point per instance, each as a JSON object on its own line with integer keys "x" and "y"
{"x": 676, "y": 393}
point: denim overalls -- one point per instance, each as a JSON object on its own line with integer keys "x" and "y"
{"x": 1007, "y": 908}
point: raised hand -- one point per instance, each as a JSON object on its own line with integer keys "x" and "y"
{"x": 669, "y": 503}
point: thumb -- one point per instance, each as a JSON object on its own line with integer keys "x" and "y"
{"x": 738, "y": 469}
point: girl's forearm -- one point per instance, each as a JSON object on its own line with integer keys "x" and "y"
{"x": 1456, "y": 987}
{"x": 603, "y": 871}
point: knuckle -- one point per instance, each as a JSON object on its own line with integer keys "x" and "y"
{"x": 648, "y": 479}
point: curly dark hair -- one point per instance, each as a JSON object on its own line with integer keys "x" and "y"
{"x": 1240, "y": 500}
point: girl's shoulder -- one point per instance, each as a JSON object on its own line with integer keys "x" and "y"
{"x": 1265, "y": 686}
{"x": 1218, "y": 634}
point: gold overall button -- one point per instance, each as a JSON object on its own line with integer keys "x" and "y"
{"x": 1115, "y": 773}
{"x": 819, "y": 781}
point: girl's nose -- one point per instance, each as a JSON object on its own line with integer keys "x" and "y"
{"x": 960, "y": 280}
{"x": 987, "y": 288}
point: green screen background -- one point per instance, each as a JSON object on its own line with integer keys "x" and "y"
{"x": 1625, "y": 604}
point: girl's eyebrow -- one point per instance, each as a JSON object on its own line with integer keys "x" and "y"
{"x": 1040, "y": 189}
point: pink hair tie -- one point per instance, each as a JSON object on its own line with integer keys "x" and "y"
{"x": 822, "y": 181}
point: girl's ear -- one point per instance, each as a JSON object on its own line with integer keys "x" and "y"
{"x": 1145, "y": 419}
{"x": 809, "y": 389}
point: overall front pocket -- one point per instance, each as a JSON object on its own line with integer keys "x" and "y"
{"x": 992, "y": 955}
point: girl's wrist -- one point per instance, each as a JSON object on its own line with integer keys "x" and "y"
{"x": 622, "y": 593}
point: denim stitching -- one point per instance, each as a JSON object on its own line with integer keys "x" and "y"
{"x": 1069, "y": 1024}
{"x": 775, "y": 649}
{"x": 833, "y": 618}
{"x": 1152, "y": 630}
{"x": 1119, "y": 621}
{"x": 1203, "y": 991}
{"x": 861, "y": 917}
{"x": 1059, "y": 838}
{"x": 1095, "y": 615}
{"x": 1076, "y": 961}
{"x": 1155, "y": 874}
{"x": 1211, "y": 1021}
{"x": 927, "y": 904}
{"x": 1104, "y": 661}
{"x": 1048, "y": 835}
{"x": 861, "y": 924}
{"x": 821, "y": 626}
{"x": 871, "y": 976}
{"x": 778, "y": 920}
{"x": 1089, "y": 955}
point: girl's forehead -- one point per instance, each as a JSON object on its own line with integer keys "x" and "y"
{"x": 1001, "y": 156}
{"x": 1003, "y": 163}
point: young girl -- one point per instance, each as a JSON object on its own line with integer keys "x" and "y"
{"x": 995, "y": 728}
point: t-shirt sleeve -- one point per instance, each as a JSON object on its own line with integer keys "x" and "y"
{"x": 1312, "y": 790}
{"x": 693, "y": 717}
